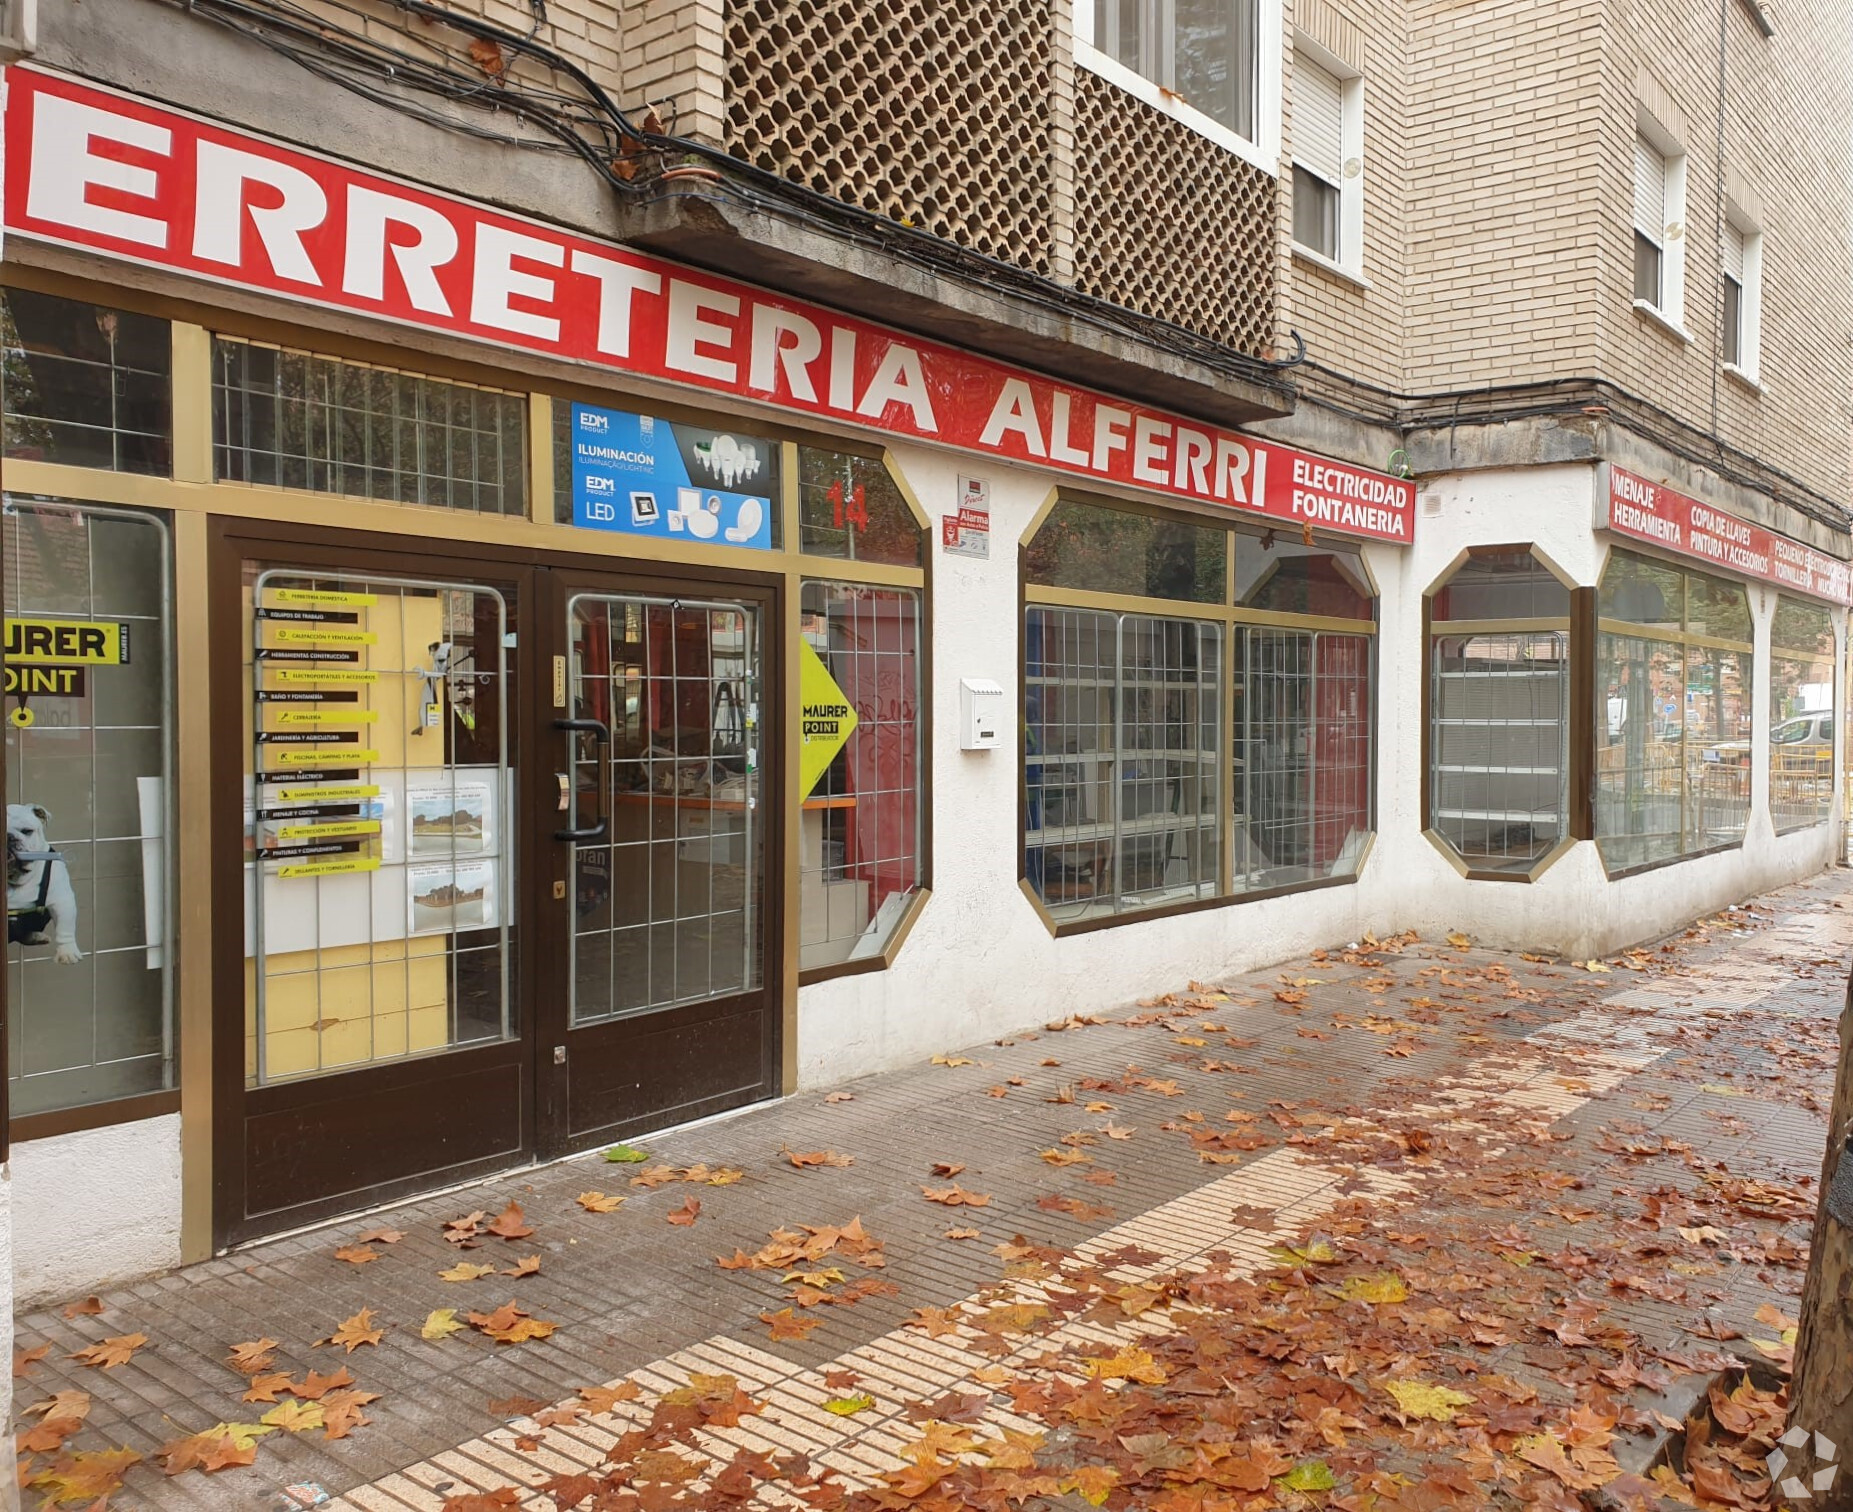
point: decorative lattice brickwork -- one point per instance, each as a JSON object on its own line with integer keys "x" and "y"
{"x": 932, "y": 111}
{"x": 1167, "y": 222}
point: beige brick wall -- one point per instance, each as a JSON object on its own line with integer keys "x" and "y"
{"x": 1784, "y": 126}
{"x": 1355, "y": 326}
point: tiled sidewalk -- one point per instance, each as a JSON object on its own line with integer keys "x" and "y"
{"x": 629, "y": 1290}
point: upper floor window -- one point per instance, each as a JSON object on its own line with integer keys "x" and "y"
{"x": 1213, "y": 65}
{"x": 1327, "y": 155}
{"x": 1659, "y": 212}
{"x": 1742, "y": 313}
{"x": 1203, "y": 50}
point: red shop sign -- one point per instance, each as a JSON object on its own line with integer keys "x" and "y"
{"x": 96, "y": 169}
{"x": 1630, "y": 505}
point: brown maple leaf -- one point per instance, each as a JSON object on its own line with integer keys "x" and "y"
{"x": 264, "y": 1388}
{"x": 602, "y": 1399}
{"x": 88, "y": 1308}
{"x": 509, "y": 1224}
{"x": 25, "y": 1359}
{"x": 341, "y": 1413}
{"x": 85, "y": 1477}
{"x": 463, "y": 1232}
{"x": 685, "y": 1216}
{"x": 946, "y": 1169}
{"x": 955, "y": 1196}
{"x": 357, "y": 1254}
{"x": 598, "y": 1202}
{"x": 516, "y": 1406}
{"x": 315, "y": 1386}
{"x": 356, "y": 1331}
{"x": 786, "y": 1324}
{"x": 252, "y": 1357}
{"x": 803, "y": 1158}
{"x": 379, "y": 1236}
{"x": 111, "y": 1352}
{"x": 526, "y": 1267}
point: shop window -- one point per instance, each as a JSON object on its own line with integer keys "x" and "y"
{"x": 1122, "y": 760}
{"x": 1673, "y": 686}
{"x": 1801, "y": 713}
{"x": 84, "y": 385}
{"x": 1302, "y": 727}
{"x": 288, "y": 419}
{"x": 378, "y": 882}
{"x": 89, "y": 805}
{"x": 1300, "y": 713}
{"x": 849, "y": 507}
{"x": 1499, "y": 711}
{"x": 860, "y": 854}
{"x": 1096, "y": 549}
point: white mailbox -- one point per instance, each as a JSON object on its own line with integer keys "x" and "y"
{"x": 981, "y": 714}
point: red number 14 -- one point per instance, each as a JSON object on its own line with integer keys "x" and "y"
{"x": 857, "y": 510}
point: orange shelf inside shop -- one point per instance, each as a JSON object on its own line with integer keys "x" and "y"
{"x": 843, "y": 801}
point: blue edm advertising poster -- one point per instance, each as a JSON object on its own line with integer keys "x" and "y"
{"x": 642, "y": 476}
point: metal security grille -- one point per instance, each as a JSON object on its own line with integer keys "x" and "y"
{"x": 667, "y": 902}
{"x": 93, "y": 774}
{"x": 859, "y": 828}
{"x": 1301, "y": 720}
{"x": 379, "y": 861}
{"x": 1122, "y": 760}
{"x": 297, "y": 420}
{"x": 1500, "y": 746}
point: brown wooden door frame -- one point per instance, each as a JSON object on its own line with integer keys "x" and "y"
{"x": 418, "y": 1088}
{"x": 611, "y": 1042}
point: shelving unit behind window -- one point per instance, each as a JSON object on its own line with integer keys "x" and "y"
{"x": 1197, "y": 709}
{"x": 1499, "y": 712}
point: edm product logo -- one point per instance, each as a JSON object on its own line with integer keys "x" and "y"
{"x": 594, "y": 423}
{"x": 1823, "y": 1477}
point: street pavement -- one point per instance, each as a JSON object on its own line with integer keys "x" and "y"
{"x": 1444, "y": 1165}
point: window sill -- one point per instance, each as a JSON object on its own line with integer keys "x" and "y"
{"x": 1327, "y": 266}
{"x": 1087, "y": 56}
{"x": 1655, "y": 316}
{"x": 1743, "y": 379}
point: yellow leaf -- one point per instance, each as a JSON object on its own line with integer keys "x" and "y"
{"x": 1385, "y": 1286}
{"x": 1459, "y": 941}
{"x": 1128, "y": 1365}
{"x": 1424, "y": 1399}
{"x": 598, "y": 1202}
{"x": 950, "y": 1060}
{"x": 295, "y": 1417}
{"x": 1316, "y": 1253}
{"x": 463, "y": 1270}
{"x": 441, "y": 1324}
{"x": 849, "y": 1406}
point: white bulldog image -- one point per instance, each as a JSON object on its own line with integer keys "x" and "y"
{"x": 41, "y": 908}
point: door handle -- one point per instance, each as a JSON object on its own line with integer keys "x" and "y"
{"x": 601, "y": 737}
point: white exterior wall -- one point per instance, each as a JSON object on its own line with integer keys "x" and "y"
{"x": 980, "y": 963}
{"x": 93, "y": 1208}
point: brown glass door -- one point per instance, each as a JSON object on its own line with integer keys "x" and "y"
{"x": 373, "y": 711}
{"x": 662, "y": 998}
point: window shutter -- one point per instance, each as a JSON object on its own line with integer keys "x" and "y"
{"x": 1649, "y": 191}
{"x": 1734, "y": 253}
{"x": 1318, "y": 121}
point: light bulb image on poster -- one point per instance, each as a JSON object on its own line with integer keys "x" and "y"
{"x": 638, "y": 475}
